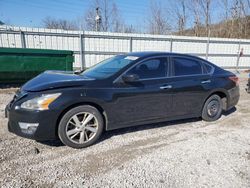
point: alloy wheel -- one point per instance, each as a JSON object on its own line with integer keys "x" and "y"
{"x": 82, "y": 127}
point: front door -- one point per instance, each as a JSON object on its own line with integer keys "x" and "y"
{"x": 148, "y": 99}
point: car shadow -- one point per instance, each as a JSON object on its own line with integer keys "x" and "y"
{"x": 108, "y": 134}
{"x": 53, "y": 143}
{"x": 121, "y": 131}
{"x": 232, "y": 110}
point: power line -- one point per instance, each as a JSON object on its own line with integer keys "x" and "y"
{"x": 73, "y": 7}
{"x": 71, "y": 3}
{"x": 124, "y": 6}
{"x": 61, "y": 6}
{"x": 61, "y": 9}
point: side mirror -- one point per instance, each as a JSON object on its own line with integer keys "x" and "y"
{"x": 130, "y": 78}
{"x": 78, "y": 71}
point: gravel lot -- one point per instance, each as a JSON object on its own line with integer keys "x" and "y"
{"x": 187, "y": 153}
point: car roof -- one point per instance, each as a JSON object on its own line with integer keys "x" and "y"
{"x": 155, "y": 53}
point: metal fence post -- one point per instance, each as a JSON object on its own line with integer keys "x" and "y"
{"x": 171, "y": 45}
{"x": 82, "y": 58}
{"x": 22, "y": 36}
{"x": 130, "y": 44}
{"x": 208, "y": 43}
{"x": 238, "y": 57}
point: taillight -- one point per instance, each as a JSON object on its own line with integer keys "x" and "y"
{"x": 235, "y": 79}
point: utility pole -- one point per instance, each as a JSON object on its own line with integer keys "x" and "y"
{"x": 98, "y": 20}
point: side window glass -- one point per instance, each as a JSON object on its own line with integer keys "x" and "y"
{"x": 185, "y": 66}
{"x": 153, "y": 68}
{"x": 208, "y": 68}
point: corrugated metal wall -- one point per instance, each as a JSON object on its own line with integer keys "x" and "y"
{"x": 91, "y": 47}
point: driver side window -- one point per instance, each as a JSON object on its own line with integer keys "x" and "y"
{"x": 153, "y": 68}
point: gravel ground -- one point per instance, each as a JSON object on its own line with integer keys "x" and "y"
{"x": 187, "y": 153}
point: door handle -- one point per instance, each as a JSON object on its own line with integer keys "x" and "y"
{"x": 166, "y": 87}
{"x": 206, "y": 81}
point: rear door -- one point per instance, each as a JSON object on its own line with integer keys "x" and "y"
{"x": 190, "y": 83}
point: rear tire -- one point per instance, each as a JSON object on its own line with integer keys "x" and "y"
{"x": 212, "y": 108}
{"x": 80, "y": 127}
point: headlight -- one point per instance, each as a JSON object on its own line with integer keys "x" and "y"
{"x": 40, "y": 103}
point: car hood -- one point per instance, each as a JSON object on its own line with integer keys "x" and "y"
{"x": 54, "y": 80}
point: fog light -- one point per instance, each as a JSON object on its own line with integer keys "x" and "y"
{"x": 28, "y": 128}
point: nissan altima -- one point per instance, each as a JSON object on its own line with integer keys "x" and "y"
{"x": 126, "y": 90}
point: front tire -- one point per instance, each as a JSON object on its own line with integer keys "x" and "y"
{"x": 80, "y": 127}
{"x": 212, "y": 108}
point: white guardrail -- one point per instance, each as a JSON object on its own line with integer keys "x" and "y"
{"x": 91, "y": 47}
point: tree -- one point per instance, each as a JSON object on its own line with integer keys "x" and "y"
{"x": 206, "y": 9}
{"x": 194, "y": 7}
{"x": 245, "y": 9}
{"x": 1, "y": 23}
{"x": 111, "y": 19}
{"x": 224, "y": 28}
{"x": 52, "y": 23}
{"x": 117, "y": 23}
{"x": 225, "y": 7}
{"x": 129, "y": 29}
{"x": 179, "y": 10}
{"x": 236, "y": 18}
{"x": 157, "y": 21}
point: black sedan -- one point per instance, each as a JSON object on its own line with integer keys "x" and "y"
{"x": 125, "y": 90}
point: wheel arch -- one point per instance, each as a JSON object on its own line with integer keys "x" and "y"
{"x": 93, "y": 104}
{"x": 222, "y": 93}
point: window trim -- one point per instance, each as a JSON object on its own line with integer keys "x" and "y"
{"x": 200, "y": 61}
{"x": 212, "y": 70}
{"x": 173, "y": 67}
{"x": 168, "y": 71}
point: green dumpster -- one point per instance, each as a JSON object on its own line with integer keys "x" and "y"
{"x": 17, "y": 65}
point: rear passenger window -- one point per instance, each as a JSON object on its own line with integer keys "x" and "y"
{"x": 184, "y": 66}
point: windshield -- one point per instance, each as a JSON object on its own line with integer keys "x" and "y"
{"x": 108, "y": 67}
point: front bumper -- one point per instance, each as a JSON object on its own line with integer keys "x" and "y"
{"x": 47, "y": 121}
